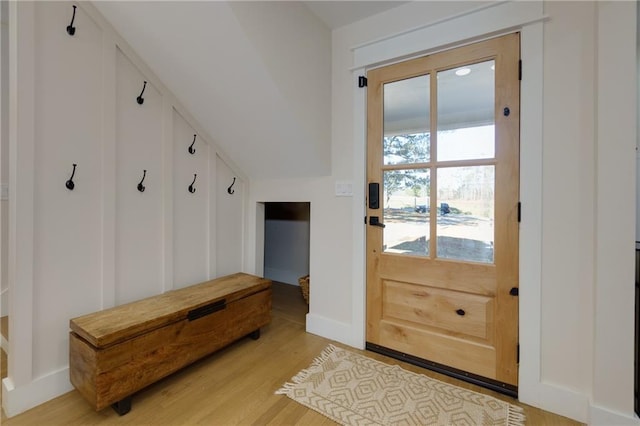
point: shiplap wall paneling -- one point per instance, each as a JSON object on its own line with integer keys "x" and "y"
{"x": 229, "y": 220}
{"x": 139, "y": 215}
{"x": 67, "y": 224}
{"x": 190, "y": 210}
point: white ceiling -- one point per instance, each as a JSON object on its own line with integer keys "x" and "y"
{"x": 339, "y": 13}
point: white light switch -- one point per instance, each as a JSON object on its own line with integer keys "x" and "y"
{"x": 344, "y": 189}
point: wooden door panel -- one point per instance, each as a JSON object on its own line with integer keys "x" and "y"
{"x": 439, "y": 279}
{"x": 470, "y": 277}
{"x": 443, "y": 311}
{"x": 446, "y": 350}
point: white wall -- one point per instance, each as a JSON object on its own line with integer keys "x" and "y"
{"x": 300, "y": 72}
{"x": 583, "y": 367}
{"x": 139, "y": 249}
{"x": 67, "y": 225}
{"x": 4, "y": 155}
{"x": 614, "y": 254}
{"x": 193, "y": 260}
{"x": 229, "y": 224}
{"x": 568, "y": 234}
{"x": 336, "y": 221}
{"x": 585, "y": 276}
{"x": 226, "y": 63}
{"x": 104, "y": 242}
{"x": 329, "y": 237}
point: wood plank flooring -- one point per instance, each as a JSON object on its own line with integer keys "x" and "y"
{"x": 236, "y": 386}
{"x": 4, "y": 327}
{"x": 4, "y": 331}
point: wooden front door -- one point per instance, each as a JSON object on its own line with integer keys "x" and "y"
{"x": 442, "y": 234}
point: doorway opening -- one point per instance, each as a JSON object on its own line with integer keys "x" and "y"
{"x": 286, "y": 256}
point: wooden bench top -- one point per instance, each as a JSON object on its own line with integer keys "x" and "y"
{"x": 110, "y": 326}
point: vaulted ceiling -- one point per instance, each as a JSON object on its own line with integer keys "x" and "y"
{"x": 255, "y": 75}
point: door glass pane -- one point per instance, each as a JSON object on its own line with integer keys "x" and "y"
{"x": 466, "y": 112}
{"x": 406, "y": 212}
{"x": 466, "y": 213}
{"x": 406, "y": 121}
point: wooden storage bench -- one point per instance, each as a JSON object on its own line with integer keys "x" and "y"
{"x": 118, "y": 351}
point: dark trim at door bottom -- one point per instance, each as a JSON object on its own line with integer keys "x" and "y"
{"x": 494, "y": 385}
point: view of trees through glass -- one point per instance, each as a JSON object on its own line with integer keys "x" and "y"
{"x": 406, "y": 149}
{"x": 464, "y": 199}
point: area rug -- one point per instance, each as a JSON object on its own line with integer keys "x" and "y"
{"x": 352, "y": 389}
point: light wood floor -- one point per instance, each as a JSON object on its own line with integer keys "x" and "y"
{"x": 4, "y": 327}
{"x": 236, "y": 386}
{"x": 4, "y": 331}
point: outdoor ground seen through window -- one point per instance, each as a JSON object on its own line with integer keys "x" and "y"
{"x": 464, "y": 200}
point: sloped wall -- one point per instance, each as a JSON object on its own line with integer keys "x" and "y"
{"x": 144, "y": 214}
{"x": 254, "y": 74}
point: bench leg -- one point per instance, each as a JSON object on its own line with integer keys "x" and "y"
{"x": 255, "y": 335}
{"x": 123, "y": 406}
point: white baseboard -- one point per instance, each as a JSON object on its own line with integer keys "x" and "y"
{"x": 555, "y": 399}
{"x": 16, "y": 400}
{"x": 599, "y": 416}
{"x": 331, "y": 329}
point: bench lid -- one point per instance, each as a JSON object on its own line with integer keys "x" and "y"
{"x": 114, "y": 325}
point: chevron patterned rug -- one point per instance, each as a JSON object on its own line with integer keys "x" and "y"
{"x": 352, "y": 389}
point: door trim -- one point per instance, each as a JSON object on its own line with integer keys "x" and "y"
{"x": 531, "y": 387}
{"x": 470, "y": 26}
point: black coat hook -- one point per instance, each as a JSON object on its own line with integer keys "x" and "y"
{"x": 230, "y": 189}
{"x": 71, "y": 30}
{"x": 140, "y": 99}
{"x": 192, "y": 150}
{"x": 69, "y": 184}
{"x": 192, "y": 188}
{"x": 141, "y": 187}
